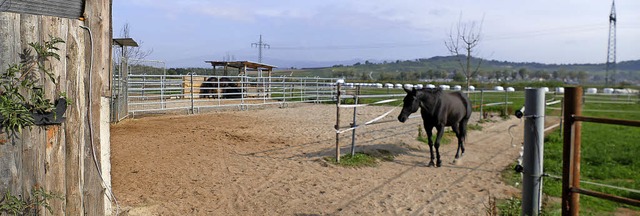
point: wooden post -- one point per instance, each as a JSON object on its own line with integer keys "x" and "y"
{"x": 55, "y": 140}
{"x": 32, "y": 140}
{"x": 54, "y": 157}
{"x": 561, "y": 114}
{"x": 98, "y": 20}
{"x": 571, "y": 151}
{"x": 338, "y": 84}
{"x": 481, "y": 103}
{"x": 76, "y": 115}
{"x": 10, "y": 151}
{"x": 354, "y": 124}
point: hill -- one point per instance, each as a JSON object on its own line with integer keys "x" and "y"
{"x": 447, "y": 67}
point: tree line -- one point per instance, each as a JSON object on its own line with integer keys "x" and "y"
{"x": 504, "y": 75}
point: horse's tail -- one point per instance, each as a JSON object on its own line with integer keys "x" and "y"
{"x": 468, "y": 108}
{"x": 467, "y": 104}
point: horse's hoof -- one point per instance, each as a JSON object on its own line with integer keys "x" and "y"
{"x": 439, "y": 164}
{"x": 430, "y": 164}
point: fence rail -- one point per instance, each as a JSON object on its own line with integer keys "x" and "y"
{"x": 157, "y": 93}
{"x": 571, "y": 153}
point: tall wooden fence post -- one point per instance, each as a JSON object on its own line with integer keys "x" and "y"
{"x": 353, "y": 132}
{"x": 481, "y": 103}
{"x": 338, "y": 84}
{"x": 571, "y": 151}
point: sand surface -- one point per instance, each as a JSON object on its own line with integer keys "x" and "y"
{"x": 270, "y": 161}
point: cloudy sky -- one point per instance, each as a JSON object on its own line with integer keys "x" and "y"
{"x": 187, "y": 32}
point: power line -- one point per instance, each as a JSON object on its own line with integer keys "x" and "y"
{"x": 518, "y": 35}
{"x": 543, "y": 32}
{"x": 358, "y": 46}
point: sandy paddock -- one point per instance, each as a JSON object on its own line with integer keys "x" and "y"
{"x": 270, "y": 162}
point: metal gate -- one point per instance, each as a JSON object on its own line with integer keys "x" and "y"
{"x": 119, "y": 93}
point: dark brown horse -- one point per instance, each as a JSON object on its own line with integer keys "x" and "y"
{"x": 439, "y": 109}
{"x": 209, "y": 88}
{"x": 224, "y": 87}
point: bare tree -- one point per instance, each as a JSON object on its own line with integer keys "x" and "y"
{"x": 132, "y": 53}
{"x": 462, "y": 43}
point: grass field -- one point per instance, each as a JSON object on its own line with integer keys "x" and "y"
{"x": 609, "y": 156}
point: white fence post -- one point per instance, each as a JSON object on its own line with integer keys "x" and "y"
{"x": 191, "y": 86}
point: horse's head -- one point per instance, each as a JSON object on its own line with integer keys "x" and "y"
{"x": 411, "y": 104}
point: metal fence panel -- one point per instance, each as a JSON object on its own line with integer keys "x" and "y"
{"x": 160, "y": 93}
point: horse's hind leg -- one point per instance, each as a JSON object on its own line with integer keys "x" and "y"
{"x": 463, "y": 134}
{"x": 430, "y": 142}
{"x": 456, "y": 130}
{"x": 440, "y": 130}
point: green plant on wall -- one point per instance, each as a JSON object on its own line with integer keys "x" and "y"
{"x": 21, "y": 91}
{"x": 17, "y": 205}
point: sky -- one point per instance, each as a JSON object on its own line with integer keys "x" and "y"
{"x": 185, "y": 33}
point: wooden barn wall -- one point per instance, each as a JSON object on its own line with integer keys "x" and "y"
{"x": 60, "y": 158}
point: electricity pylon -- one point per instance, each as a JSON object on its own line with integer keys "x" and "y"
{"x": 260, "y": 45}
{"x": 611, "y": 52}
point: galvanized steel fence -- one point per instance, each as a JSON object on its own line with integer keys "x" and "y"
{"x": 191, "y": 93}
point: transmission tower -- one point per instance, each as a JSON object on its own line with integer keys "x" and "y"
{"x": 611, "y": 52}
{"x": 260, "y": 45}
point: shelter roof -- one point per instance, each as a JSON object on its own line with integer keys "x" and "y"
{"x": 125, "y": 42}
{"x": 242, "y": 64}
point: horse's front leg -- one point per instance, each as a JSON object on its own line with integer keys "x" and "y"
{"x": 440, "y": 129}
{"x": 429, "y": 130}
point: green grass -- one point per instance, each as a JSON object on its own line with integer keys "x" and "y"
{"x": 471, "y": 127}
{"x": 510, "y": 176}
{"x": 446, "y": 137}
{"x": 509, "y": 207}
{"x": 609, "y": 155}
{"x": 360, "y": 159}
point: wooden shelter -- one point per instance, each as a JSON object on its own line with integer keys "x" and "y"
{"x": 243, "y": 67}
{"x": 70, "y": 159}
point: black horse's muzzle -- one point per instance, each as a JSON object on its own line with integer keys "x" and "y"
{"x": 402, "y": 118}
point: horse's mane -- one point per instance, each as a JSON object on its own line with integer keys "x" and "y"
{"x": 432, "y": 90}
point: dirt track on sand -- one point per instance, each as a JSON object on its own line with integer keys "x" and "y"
{"x": 270, "y": 162}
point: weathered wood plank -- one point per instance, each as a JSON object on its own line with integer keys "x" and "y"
{"x": 10, "y": 151}
{"x": 98, "y": 19}
{"x": 31, "y": 141}
{"x": 55, "y": 145}
{"x": 76, "y": 115}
